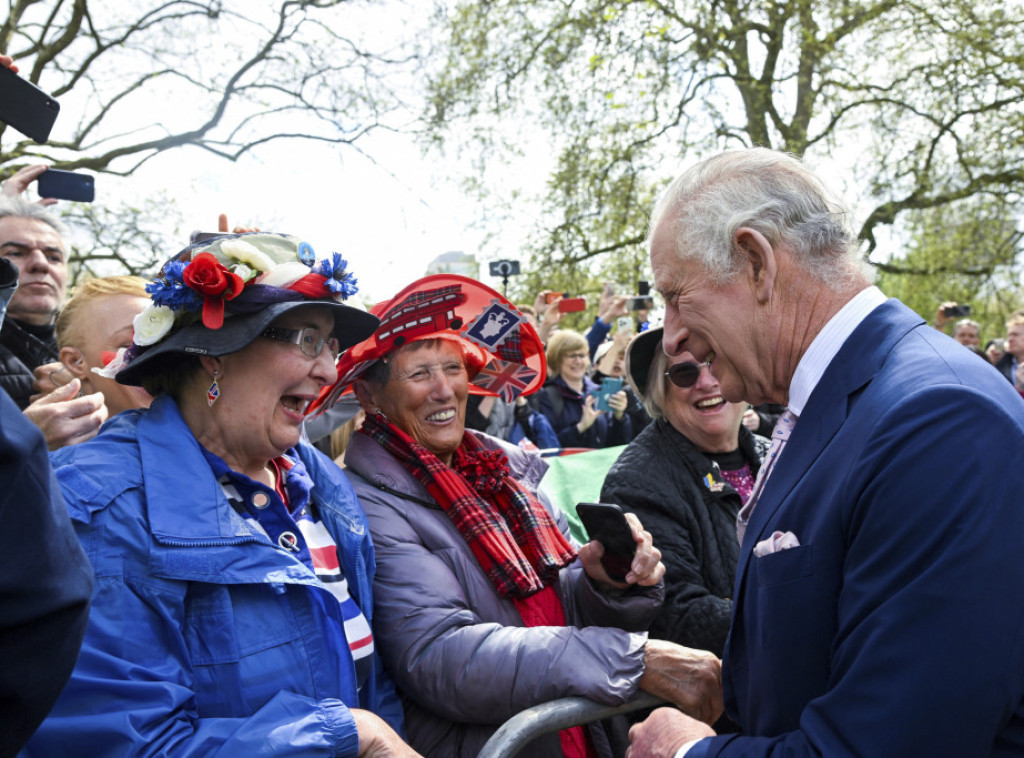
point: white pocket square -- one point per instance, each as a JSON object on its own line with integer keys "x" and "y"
{"x": 778, "y": 541}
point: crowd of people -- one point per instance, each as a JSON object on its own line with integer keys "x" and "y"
{"x": 820, "y": 489}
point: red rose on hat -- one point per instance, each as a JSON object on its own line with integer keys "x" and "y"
{"x": 211, "y": 279}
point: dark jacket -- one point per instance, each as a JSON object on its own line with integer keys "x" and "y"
{"x": 606, "y": 431}
{"x": 45, "y": 581}
{"x": 661, "y": 477}
{"x": 22, "y": 348}
{"x": 1005, "y": 367}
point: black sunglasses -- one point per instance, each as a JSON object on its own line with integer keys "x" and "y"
{"x": 685, "y": 374}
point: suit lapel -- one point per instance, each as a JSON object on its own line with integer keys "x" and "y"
{"x": 853, "y": 367}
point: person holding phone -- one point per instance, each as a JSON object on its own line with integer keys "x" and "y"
{"x": 483, "y": 604}
{"x": 33, "y": 239}
{"x": 569, "y": 402}
{"x": 610, "y": 362}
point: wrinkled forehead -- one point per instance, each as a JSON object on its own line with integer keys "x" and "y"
{"x": 31, "y": 232}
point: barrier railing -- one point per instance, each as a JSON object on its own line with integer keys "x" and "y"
{"x": 524, "y": 727}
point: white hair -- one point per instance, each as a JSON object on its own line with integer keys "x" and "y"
{"x": 771, "y": 192}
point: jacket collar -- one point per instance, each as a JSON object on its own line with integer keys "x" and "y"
{"x": 187, "y": 509}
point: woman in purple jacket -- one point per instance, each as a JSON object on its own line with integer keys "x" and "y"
{"x": 484, "y": 607}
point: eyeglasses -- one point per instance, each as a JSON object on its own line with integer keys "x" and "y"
{"x": 577, "y": 357}
{"x": 686, "y": 374}
{"x": 310, "y": 340}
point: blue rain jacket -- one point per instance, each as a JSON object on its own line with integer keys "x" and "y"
{"x": 205, "y": 638}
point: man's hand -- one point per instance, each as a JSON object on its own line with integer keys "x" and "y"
{"x": 690, "y": 679}
{"x": 19, "y": 182}
{"x": 941, "y": 319}
{"x": 646, "y": 568}
{"x": 49, "y": 377}
{"x": 663, "y": 733}
{"x": 377, "y": 739}
{"x": 65, "y": 419}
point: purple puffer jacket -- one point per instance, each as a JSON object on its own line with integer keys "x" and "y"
{"x": 458, "y": 652}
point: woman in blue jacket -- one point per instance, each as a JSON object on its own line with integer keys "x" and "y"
{"x": 227, "y": 619}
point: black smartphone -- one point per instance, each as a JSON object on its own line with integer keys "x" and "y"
{"x": 639, "y": 303}
{"x": 26, "y": 107}
{"x": 606, "y": 523}
{"x": 66, "y": 185}
{"x": 957, "y": 311}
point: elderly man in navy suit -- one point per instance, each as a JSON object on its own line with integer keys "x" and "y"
{"x": 879, "y": 597}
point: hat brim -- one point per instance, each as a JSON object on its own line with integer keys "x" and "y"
{"x": 351, "y": 326}
{"x": 640, "y": 355}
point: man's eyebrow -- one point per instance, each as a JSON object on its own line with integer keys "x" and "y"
{"x": 27, "y": 246}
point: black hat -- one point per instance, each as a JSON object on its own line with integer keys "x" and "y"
{"x": 216, "y": 297}
{"x": 640, "y": 354}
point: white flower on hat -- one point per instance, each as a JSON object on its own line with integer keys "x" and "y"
{"x": 284, "y": 274}
{"x": 246, "y": 252}
{"x": 152, "y": 324}
{"x": 243, "y": 272}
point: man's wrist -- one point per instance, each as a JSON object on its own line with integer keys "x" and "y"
{"x": 686, "y": 748}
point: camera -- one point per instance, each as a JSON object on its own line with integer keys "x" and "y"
{"x": 504, "y": 268}
{"x": 957, "y": 311}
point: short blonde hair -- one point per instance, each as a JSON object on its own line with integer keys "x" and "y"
{"x": 69, "y": 323}
{"x": 563, "y": 342}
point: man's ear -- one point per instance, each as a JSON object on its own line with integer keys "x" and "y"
{"x": 761, "y": 266}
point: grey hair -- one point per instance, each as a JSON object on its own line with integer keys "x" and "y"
{"x": 771, "y": 192}
{"x": 656, "y": 391}
{"x": 19, "y": 207}
{"x": 966, "y": 322}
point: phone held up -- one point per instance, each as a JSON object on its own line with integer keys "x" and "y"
{"x": 572, "y": 304}
{"x": 606, "y": 523}
{"x": 609, "y": 386}
{"x": 957, "y": 311}
{"x": 66, "y": 185}
{"x": 26, "y": 107}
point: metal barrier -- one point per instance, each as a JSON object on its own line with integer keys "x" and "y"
{"x": 553, "y": 716}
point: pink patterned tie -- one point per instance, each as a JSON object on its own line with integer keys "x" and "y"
{"x": 783, "y": 428}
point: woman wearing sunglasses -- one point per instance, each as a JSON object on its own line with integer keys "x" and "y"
{"x": 686, "y": 476}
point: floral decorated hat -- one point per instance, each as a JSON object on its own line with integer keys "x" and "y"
{"x": 503, "y": 353}
{"x": 217, "y": 296}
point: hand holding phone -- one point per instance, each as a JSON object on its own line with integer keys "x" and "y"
{"x": 609, "y": 386}
{"x": 606, "y": 523}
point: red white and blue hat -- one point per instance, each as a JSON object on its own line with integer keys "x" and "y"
{"x": 503, "y": 353}
{"x": 217, "y": 296}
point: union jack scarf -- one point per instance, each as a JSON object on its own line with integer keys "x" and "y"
{"x": 511, "y": 534}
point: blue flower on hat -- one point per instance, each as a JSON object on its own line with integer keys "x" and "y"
{"x": 171, "y": 290}
{"x": 339, "y": 280}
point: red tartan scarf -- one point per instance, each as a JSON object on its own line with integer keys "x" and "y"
{"x": 511, "y": 534}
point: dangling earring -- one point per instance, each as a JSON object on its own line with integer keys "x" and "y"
{"x": 379, "y": 412}
{"x": 214, "y": 392}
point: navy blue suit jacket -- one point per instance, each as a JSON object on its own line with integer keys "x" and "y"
{"x": 896, "y": 628}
